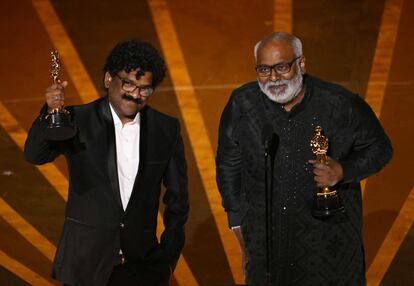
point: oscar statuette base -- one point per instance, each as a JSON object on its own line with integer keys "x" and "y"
{"x": 327, "y": 204}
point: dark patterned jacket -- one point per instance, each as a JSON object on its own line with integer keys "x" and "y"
{"x": 304, "y": 250}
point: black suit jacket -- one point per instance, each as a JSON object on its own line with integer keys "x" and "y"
{"x": 96, "y": 227}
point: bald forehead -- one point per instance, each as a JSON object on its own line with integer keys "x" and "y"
{"x": 274, "y": 50}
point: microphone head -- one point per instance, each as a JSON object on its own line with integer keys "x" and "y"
{"x": 267, "y": 133}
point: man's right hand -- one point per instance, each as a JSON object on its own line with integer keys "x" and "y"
{"x": 55, "y": 95}
{"x": 245, "y": 258}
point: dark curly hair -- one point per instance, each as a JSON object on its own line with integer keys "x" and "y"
{"x": 136, "y": 54}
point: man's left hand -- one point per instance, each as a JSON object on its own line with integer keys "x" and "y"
{"x": 327, "y": 175}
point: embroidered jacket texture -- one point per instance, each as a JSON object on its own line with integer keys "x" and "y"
{"x": 305, "y": 250}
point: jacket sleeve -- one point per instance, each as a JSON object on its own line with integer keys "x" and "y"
{"x": 372, "y": 148}
{"x": 175, "y": 201}
{"x": 37, "y": 150}
{"x": 228, "y": 163}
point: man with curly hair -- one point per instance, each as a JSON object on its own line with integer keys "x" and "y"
{"x": 122, "y": 152}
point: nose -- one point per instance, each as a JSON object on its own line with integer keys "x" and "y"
{"x": 274, "y": 76}
{"x": 135, "y": 93}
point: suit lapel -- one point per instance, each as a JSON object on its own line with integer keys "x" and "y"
{"x": 111, "y": 151}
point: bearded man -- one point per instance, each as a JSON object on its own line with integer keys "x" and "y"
{"x": 282, "y": 109}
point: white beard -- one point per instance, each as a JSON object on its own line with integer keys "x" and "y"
{"x": 283, "y": 91}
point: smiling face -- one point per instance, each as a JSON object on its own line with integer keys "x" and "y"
{"x": 127, "y": 100}
{"x": 281, "y": 88}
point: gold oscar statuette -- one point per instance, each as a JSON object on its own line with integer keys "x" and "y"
{"x": 326, "y": 202}
{"x": 59, "y": 122}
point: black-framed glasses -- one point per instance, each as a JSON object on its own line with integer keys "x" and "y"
{"x": 279, "y": 68}
{"x": 130, "y": 87}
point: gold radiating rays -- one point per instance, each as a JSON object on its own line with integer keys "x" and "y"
{"x": 15, "y": 220}
{"x": 17, "y": 133}
{"x": 26, "y": 230}
{"x": 196, "y": 128}
{"x": 71, "y": 60}
{"x": 382, "y": 58}
{"x": 375, "y": 96}
{"x": 383, "y": 54}
{"x": 282, "y": 15}
{"x": 87, "y": 93}
{"x": 22, "y": 271}
{"x": 392, "y": 242}
{"x": 198, "y": 135}
{"x": 381, "y": 63}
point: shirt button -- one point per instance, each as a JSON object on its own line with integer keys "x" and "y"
{"x": 122, "y": 225}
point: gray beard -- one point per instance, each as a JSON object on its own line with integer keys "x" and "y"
{"x": 283, "y": 91}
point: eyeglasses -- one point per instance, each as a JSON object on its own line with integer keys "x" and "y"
{"x": 130, "y": 87}
{"x": 280, "y": 68}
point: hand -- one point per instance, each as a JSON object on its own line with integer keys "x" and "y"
{"x": 55, "y": 95}
{"x": 327, "y": 175}
{"x": 245, "y": 258}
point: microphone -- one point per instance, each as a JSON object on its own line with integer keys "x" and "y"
{"x": 270, "y": 143}
{"x": 270, "y": 140}
{"x": 267, "y": 134}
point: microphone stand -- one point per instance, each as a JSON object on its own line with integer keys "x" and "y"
{"x": 268, "y": 210}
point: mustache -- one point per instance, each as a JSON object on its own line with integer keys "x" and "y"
{"x": 131, "y": 98}
{"x": 278, "y": 83}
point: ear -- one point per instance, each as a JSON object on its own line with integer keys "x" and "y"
{"x": 302, "y": 64}
{"x": 107, "y": 79}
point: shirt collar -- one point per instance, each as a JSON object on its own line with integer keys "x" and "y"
{"x": 117, "y": 120}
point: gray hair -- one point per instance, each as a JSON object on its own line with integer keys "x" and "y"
{"x": 294, "y": 41}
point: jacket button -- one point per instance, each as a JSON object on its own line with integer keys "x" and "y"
{"x": 122, "y": 225}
